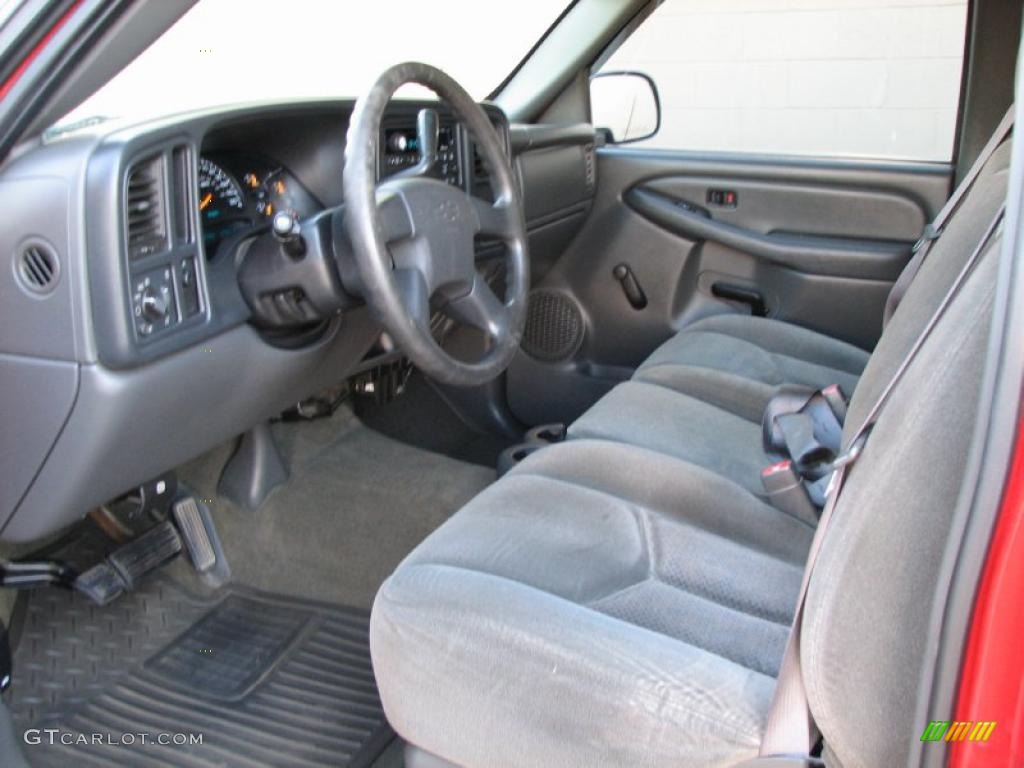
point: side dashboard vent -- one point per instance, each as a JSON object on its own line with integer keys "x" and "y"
{"x": 38, "y": 267}
{"x": 145, "y": 208}
{"x": 590, "y": 167}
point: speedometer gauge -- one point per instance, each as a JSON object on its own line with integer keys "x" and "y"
{"x": 219, "y": 194}
{"x": 221, "y": 204}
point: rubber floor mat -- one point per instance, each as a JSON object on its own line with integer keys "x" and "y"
{"x": 259, "y": 679}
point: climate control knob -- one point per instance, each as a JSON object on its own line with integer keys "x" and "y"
{"x": 155, "y": 303}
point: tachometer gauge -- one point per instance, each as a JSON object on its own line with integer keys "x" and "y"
{"x": 221, "y": 204}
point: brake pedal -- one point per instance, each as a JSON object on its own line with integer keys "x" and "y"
{"x": 121, "y": 570}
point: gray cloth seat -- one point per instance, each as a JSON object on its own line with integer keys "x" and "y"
{"x": 738, "y": 361}
{"x": 660, "y": 591}
{"x": 685, "y": 427}
{"x": 701, "y": 395}
{"x": 608, "y": 605}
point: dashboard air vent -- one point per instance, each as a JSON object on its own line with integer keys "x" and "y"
{"x": 481, "y": 176}
{"x": 38, "y": 267}
{"x": 480, "y": 173}
{"x": 145, "y": 212}
{"x": 591, "y": 169}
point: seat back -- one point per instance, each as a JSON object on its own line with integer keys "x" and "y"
{"x": 945, "y": 260}
{"x": 869, "y": 601}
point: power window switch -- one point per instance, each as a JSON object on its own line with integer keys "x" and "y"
{"x": 723, "y": 198}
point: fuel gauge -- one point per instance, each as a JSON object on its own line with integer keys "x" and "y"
{"x": 279, "y": 195}
{"x": 257, "y": 193}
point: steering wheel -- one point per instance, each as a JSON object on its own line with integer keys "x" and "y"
{"x": 412, "y": 236}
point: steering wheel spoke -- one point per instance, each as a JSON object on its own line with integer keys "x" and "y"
{"x": 412, "y": 287}
{"x": 481, "y": 309}
{"x": 494, "y": 219}
{"x": 395, "y": 222}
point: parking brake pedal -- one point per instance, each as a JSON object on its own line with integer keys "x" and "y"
{"x": 121, "y": 570}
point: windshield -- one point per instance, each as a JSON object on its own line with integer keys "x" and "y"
{"x": 228, "y": 51}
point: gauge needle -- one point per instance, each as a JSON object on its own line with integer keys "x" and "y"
{"x": 206, "y": 201}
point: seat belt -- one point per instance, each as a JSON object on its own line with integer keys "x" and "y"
{"x": 790, "y": 724}
{"x": 932, "y": 231}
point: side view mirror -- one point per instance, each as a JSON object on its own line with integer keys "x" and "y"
{"x": 625, "y": 105}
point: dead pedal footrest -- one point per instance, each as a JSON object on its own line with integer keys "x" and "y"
{"x": 121, "y": 570}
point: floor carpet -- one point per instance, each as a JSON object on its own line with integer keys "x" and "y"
{"x": 356, "y": 503}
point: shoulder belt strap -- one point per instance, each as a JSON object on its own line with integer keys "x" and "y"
{"x": 934, "y": 230}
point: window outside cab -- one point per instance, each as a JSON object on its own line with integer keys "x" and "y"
{"x": 826, "y": 78}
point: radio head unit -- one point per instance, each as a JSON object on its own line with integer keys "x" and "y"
{"x": 401, "y": 151}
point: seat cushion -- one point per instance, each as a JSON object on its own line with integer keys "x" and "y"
{"x": 664, "y": 420}
{"x": 601, "y": 605}
{"x": 701, "y": 395}
{"x": 738, "y": 361}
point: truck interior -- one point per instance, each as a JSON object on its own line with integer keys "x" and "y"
{"x": 563, "y": 423}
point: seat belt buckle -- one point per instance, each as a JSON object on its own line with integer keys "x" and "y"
{"x": 785, "y": 489}
{"x": 807, "y": 443}
{"x": 824, "y": 413}
{"x": 930, "y": 233}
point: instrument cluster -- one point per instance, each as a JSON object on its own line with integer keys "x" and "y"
{"x": 240, "y": 194}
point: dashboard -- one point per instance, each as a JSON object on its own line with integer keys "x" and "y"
{"x": 140, "y": 350}
{"x": 147, "y": 351}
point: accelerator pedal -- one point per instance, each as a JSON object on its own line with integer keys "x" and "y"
{"x": 121, "y": 570}
{"x": 193, "y": 531}
{"x": 202, "y": 544}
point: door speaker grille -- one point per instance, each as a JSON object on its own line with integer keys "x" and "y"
{"x": 554, "y": 326}
{"x": 38, "y": 267}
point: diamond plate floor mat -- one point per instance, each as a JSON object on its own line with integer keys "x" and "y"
{"x": 164, "y": 678}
